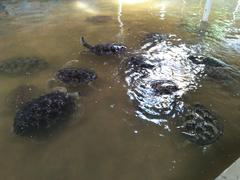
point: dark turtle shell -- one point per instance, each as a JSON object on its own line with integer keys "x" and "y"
{"x": 208, "y": 61}
{"x": 104, "y": 49}
{"x": 20, "y": 96}
{"x": 75, "y": 76}
{"x": 43, "y": 113}
{"x": 138, "y": 62}
{"x": 164, "y": 87}
{"x": 152, "y": 39}
{"x": 3, "y": 10}
{"x": 201, "y": 126}
{"x": 19, "y": 66}
{"x": 108, "y": 49}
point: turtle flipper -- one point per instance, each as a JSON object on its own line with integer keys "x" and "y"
{"x": 85, "y": 44}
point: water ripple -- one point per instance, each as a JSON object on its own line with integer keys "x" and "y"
{"x": 169, "y": 58}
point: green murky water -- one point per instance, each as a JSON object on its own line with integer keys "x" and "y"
{"x": 111, "y": 139}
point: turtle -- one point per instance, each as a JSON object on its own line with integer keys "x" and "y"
{"x": 208, "y": 61}
{"x": 164, "y": 87}
{"x": 104, "y": 49}
{"x": 158, "y": 75}
{"x": 44, "y": 113}
{"x": 19, "y": 96}
{"x": 201, "y": 126}
{"x": 138, "y": 62}
{"x": 73, "y": 77}
{"x": 2, "y": 7}
{"x": 3, "y": 11}
{"x": 152, "y": 39}
{"x": 219, "y": 72}
{"x": 155, "y": 38}
{"x": 22, "y": 65}
{"x": 158, "y": 90}
{"x": 99, "y": 19}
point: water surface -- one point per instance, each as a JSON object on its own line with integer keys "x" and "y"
{"x": 112, "y": 138}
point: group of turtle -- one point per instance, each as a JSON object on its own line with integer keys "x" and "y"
{"x": 38, "y": 113}
{"x": 43, "y": 113}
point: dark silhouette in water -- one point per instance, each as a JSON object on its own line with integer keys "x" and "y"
{"x": 75, "y": 76}
{"x": 208, "y": 61}
{"x": 201, "y": 126}
{"x": 219, "y": 72}
{"x": 164, "y": 87}
{"x": 138, "y": 62}
{"x": 104, "y": 49}
{"x": 43, "y": 113}
{"x": 99, "y": 19}
{"x": 22, "y": 65}
{"x": 3, "y": 11}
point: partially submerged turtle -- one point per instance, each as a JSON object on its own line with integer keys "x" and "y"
{"x": 152, "y": 39}
{"x": 201, "y": 126}
{"x": 158, "y": 75}
{"x": 164, "y": 87}
{"x": 21, "y": 65}
{"x": 44, "y": 113}
{"x": 20, "y": 96}
{"x": 138, "y": 62}
{"x": 158, "y": 79}
{"x": 219, "y": 72}
{"x": 2, "y": 7}
{"x": 3, "y": 11}
{"x": 74, "y": 77}
{"x": 208, "y": 61}
{"x": 99, "y": 19}
{"x": 104, "y": 49}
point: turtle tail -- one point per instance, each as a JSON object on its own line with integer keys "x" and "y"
{"x": 84, "y": 43}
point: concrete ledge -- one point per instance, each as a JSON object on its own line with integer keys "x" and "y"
{"x": 231, "y": 173}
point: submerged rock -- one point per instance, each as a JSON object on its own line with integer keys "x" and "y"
{"x": 21, "y": 66}
{"x": 104, "y": 49}
{"x": 201, "y": 126}
{"x": 43, "y": 114}
{"x": 99, "y": 19}
{"x": 20, "y": 96}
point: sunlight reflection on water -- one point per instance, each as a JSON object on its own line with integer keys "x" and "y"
{"x": 170, "y": 60}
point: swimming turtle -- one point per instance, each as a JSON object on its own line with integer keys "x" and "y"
{"x": 99, "y": 19}
{"x": 201, "y": 125}
{"x": 22, "y": 65}
{"x": 44, "y": 113}
{"x": 138, "y": 62}
{"x": 219, "y": 72}
{"x": 158, "y": 75}
{"x": 208, "y": 61}
{"x": 158, "y": 79}
{"x": 164, "y": 87}
{"x": 3, "y": 11}
{"x": 73, "y": 77}
{"x": 2, "y": 7}
{"x": 152, "y": 39}
{"x": 104, "y": 49}
{"x": 19, "y": 96}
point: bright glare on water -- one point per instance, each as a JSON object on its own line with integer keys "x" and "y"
{"x": 122, "y": 130}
